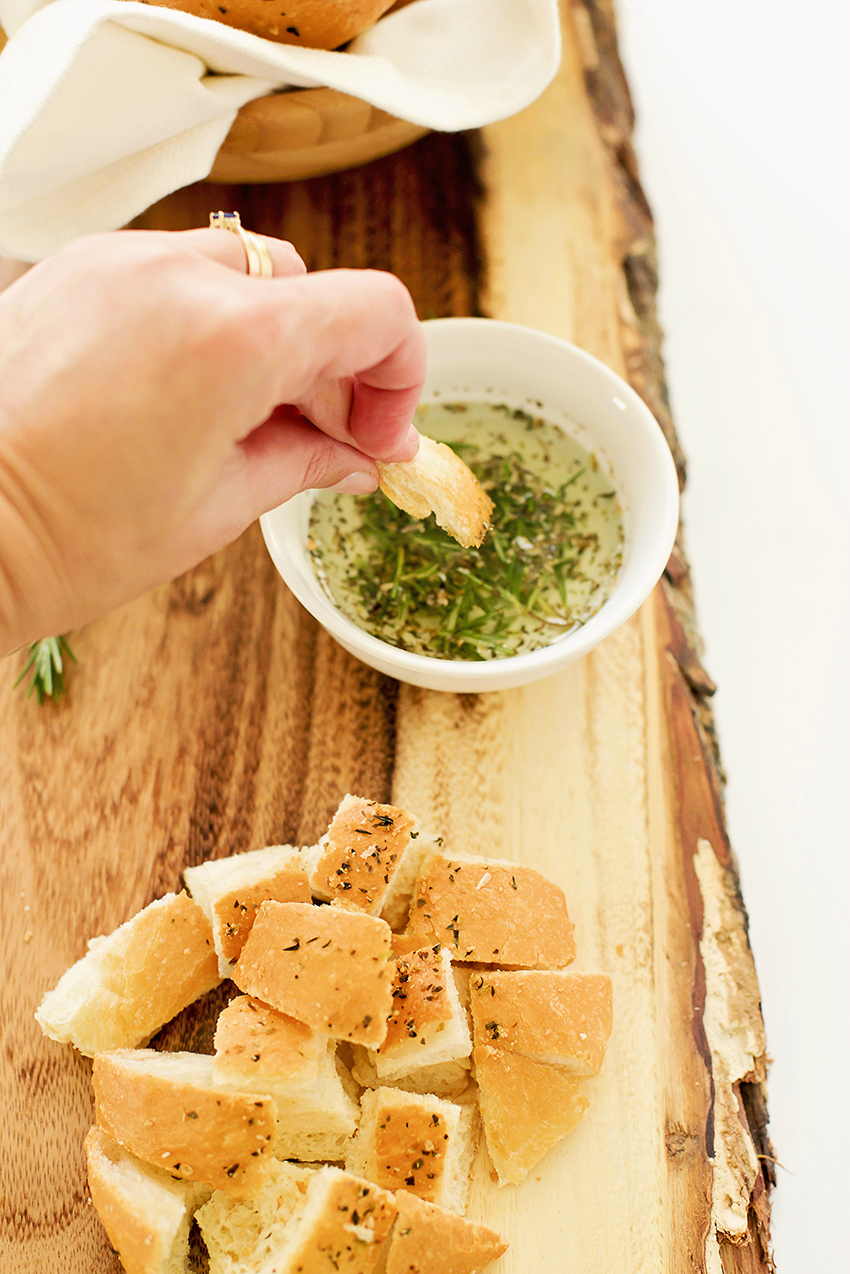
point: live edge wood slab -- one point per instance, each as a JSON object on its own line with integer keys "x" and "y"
{"x": 213, "y": 716}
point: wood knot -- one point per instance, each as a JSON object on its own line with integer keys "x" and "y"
{"x": 680, "y": 1144}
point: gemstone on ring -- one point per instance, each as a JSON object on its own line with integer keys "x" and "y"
{"x": 257, "y": 255}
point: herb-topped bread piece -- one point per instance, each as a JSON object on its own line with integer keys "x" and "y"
{"x": 264, "y": 1051}
{"x": 437, "y": 481}
{"x": 326, "y": 966}
{"x": 427, "y": 1023}
{"x": 551, "y": 1016}
{"x": 174, "y": 1111}
{"x": 303, "y": 1221}
{"x": 230, "y": 890}
{"x": 146, "y": 1212}
{"x": 360, "y": 863}
{"x": 343, "y": 1227}
{"x": 527, "y": 1107}
{"x": 133, "y": 981}
{"x": 242, "y": 1234}
{"x": 416, "y": 1141}
{"x": 253, "y": 1039}
{"x": 490, "y": 911}
{"x": 428, "y": 1240}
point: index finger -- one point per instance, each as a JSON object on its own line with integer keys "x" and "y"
{"x": 341, "y": 328}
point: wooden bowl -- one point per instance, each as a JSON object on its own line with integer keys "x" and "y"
{"x": 307, "y": 133}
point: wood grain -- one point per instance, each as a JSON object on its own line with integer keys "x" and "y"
{"x": 212, "y": 716}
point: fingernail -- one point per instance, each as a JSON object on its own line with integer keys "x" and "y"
{"x": 358, "y": 483}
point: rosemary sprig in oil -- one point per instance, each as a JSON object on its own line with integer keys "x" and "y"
{"x": 419, "y": 590}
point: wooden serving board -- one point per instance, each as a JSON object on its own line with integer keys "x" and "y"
{"x": 212, "y": 716}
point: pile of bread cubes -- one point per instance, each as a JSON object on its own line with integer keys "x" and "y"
{"x": 394, "y": 998}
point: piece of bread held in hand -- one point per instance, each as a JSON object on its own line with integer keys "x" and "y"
{"x": 437, "y": 481}
{"x": 315, "y": 24}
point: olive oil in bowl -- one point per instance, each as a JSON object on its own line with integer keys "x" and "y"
{"x": 547, "y": 564}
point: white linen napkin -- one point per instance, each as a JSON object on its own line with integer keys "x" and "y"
{"x": 107, "y": 105}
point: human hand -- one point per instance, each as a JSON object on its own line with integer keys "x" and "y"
{"x": 154, "y": 400}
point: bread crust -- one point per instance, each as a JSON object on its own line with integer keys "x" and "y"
{"x": 526, "y": 1107}
{"x": 490, "y": 912}
{"x": 236, "y": 911}
{"x": 264, "y": 1051}
{"x": 437, "y": 481}
{"x": 178, "y": 1118}
{"x": 317, "y": 24}
{"x": 325, "y": 966}
{"x": 428, "y": 1024}
{"x": 428, "y": 1240}
{"x": 551, "y": 1016}
{"x": 420, "y": 997}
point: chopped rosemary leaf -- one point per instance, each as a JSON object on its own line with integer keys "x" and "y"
{"x": 545, "y": 567}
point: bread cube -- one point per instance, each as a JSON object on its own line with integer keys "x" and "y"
{"x": 415, "y": 1141}
{"x": 174, "y": 1111}
{"x": 241, "y": 1234}
{"x": 551, "y": 1016}
{"x": 368, "y": 859}
{"x": 133, "y": 980}
{"x": 145, "y": 1212}
{"x": 261, "y": 1050}
{"x": 325, "y": 966}
{"x": 428, "y": 1240}
{"x": 231, "y": 890}
{"x": 527, "y": 1107}
{"x": 489, "y": 911}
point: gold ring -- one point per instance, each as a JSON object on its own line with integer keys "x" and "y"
{"x": 257, "y": 254}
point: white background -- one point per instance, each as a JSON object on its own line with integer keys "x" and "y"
{"x": 744, "y": 149}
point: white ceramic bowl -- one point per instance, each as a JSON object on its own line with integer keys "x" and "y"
{"x": 487, "y": 361}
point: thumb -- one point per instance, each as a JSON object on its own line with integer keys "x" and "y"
{"x": 286, "y": 455}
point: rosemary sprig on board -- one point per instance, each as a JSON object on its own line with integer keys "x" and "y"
{"x": 47, "y": 663}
